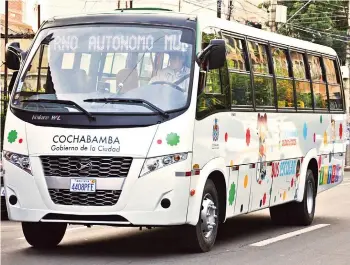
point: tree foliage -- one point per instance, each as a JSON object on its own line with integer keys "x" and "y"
{"x": 321, "y": 22}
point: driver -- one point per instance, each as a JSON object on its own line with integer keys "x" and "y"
{"x": 174, "y": 71}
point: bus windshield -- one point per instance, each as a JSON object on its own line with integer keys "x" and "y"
{"x": 99, "y": 67}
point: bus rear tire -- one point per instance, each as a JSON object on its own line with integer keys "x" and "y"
{"x": 43, "y": 235}
{"x": 202, "y": 236}
{"x": 297, "y": 213}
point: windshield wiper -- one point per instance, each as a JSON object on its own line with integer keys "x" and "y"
{"x": 59, "y": 101}
{"x": 130, "y": 100}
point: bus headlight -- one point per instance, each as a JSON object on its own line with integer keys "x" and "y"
{"x": 21, "y": 161}
{"x": 152, "y": 164}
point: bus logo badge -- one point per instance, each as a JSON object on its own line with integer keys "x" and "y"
{"x": 215, "y": 130}
{"x": 84, "y": 166}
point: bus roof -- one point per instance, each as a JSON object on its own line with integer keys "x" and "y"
{"x": 249, "y": 31}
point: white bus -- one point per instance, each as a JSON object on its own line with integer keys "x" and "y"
{"x": 155, "y": 118}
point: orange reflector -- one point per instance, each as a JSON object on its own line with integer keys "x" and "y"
{"x": 195, "y": 166}
{"x": 177, "y": 157}
{"x": 192, "y": 192}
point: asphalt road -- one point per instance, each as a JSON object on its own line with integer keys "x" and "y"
{"x": 327, "y": 243}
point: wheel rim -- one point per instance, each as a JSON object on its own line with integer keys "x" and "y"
{"x": 208, "y": 216}
{"x": 310, "y": 197}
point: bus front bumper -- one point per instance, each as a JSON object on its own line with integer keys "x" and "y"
{"x": 142, "y": 201}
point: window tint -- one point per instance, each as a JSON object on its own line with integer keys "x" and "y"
{"x": 263, "y": 81}
{"x": 239, "y": 76}
{"x": 264, "y": 94}
{"x": 298, "y": 65}
{"x": 241, "y": 89}
{"x": 319, "y": 86}
{"x": 284, "y": 83}
{"x": 303, "y": 90}
{"x": 213, "y": 85}
{"x": 315, "y": 68}
{"x": 235, "y": 54}
{"x": 285, "y": 93}
{"x": 330, "y": 71}
{"x": 258, "y": 55}
{"x": 335, "y": 97}
{"x": 214, "y": 96}
{"x": 320, "y": 95}
{"x": 280, "y": 62}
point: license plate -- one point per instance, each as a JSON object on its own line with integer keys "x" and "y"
{"x": 2, "y": 191}
{"x": 83, "y": 185}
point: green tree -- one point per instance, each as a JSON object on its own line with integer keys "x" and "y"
{"x": 321, "y": 22}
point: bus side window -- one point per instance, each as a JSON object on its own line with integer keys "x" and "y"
{"x": 214, "y": 96}
{"x": 302, "y": 84}
{"x": 238, "y": 72}
{"x": 285, "y": 91}
{"x": 318, "y": 82}
{"x": 263, "y": 80}
{"x": 333, "y": 81}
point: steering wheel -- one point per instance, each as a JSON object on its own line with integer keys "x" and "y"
{"x": 174, "y": 84}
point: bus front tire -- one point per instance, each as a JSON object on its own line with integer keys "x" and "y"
{"x": 43, "y": 235}
{"x": 297, "y": 213}
{"x": 203, "y": 235}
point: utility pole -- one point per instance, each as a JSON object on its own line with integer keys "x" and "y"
{"x": 6, "y": 40}
{"x": 230, "y": 9}
{"x": 130, "y": 3}
{"x": 118, "y": 4}
{"x": 272, "y": 22}
{"x": 39, "y": 19}
{"x": 219, "y": 3}
{"x": 179, "y": 5}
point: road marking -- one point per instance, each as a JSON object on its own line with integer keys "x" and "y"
{"x": 69, "y": 229}
{"x": 288, "y": 235}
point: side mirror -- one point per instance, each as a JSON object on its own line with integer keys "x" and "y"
{"x": 214, "y": 53}
{"x": 14, "y": 55}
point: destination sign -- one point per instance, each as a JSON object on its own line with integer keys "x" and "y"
{"x": 118, "y": 43}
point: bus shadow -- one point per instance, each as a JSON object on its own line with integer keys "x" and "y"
{"x": 170, "y": 242}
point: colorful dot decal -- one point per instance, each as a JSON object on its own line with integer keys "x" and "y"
{"x": 264, "y": 199}
{"x": 159, "y": 141}
{"x": 12, "y": 136}
{"x": 319, "y": 162}
{"x": 173, "y": 139}
{"x": 247, "y": 137}
{"x": 20, "y": 140}
{"x": 325, "y": 138}
{"x": 341, "y": 131}
{"x": 292, "y": 183}
{"x": 284, "y": 195}
{"x": 245, "y": 181}
{"x": 232, "y": 193}
{"x": 314, "y": 137}
{"x": 321, "y": 119}
{"x": 231, "y": 163}
{"x": 305, "y": 131}
{"x": 226, "y": 137}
